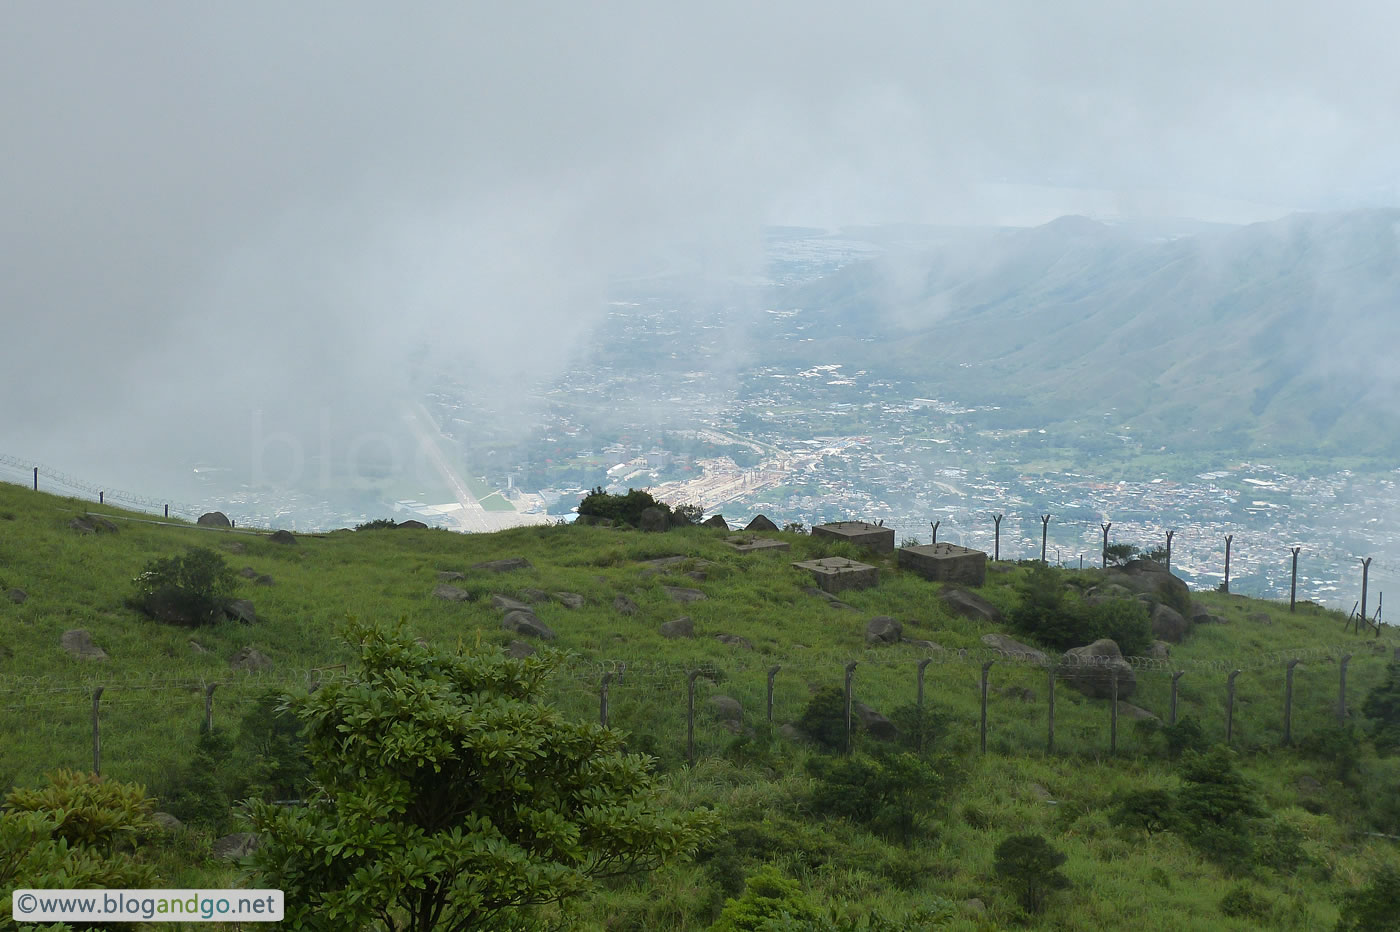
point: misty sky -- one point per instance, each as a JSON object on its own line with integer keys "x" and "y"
{"x": 209, "y": 213}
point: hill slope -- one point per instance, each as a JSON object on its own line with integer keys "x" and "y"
{"x": 761, "y": 780}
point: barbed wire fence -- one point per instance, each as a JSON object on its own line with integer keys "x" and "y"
{"x": 1004, "y": 699}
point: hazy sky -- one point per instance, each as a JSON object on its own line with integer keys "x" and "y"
{"x": 209, "y": 212}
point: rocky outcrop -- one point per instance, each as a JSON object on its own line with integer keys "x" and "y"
{"x": 1015, "y": 649}
{"x": 653, "y": 520}
{"x": 450, "y": 576}
{"x": 17, "y": 596}
{"x": 679, "y": 594}
{"x": 451, "y": 593}
{"x": 213, "y": 519}
{"x": 412, "y": 524}
{"x": 503, "y": 566}
{"x": 1147, "y": 577}
{"x": 727, "y": 711}
{"x": 250, "y": 660}
{"x": 241, "y": 610}
{"x": 733, "y": 640}
{"x": 1092, "y": 668}
{"x": 681, "y": 627}
{"x": 883, "y": 629}
{"x": 969, "y": 605}
{"x": 235, "y": 846}
{"x": 761, "y": 523}
{"x": 525, "y": 622}
{"x": 1168, "y": 625}
{"x": 78, "y": 643}
{"x": 624, "y": 606}
{"x": 715, "y": 521}
{"x": 283, "y": 537}
{"x": 569, "y": 599}
{"x": 519, "y": 650}
{"x": 507, "y": 604}
{"x": 875, "y": 724}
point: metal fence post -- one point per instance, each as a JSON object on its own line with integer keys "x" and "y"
{"x": 996, "y": 546}
{"x": 986, "y": 669}
{"x": 923, "y": 665}
{"x": 1104, "y": 561}
{"x": 1365, "y": 573}
{"x": 1175, "y": 676}
{"x": 1342, "y": 691}
{"x": 1044, "y": 533}
{"x": 1230, "y": 705}
{"x": 850, "y": 674}
{"x": 690, "y": 717}
{"x": 96, "y": 737}
{"x": 934, "y": 525}
{"x": 1170, "y": 535}
{"x": 1293, "y": 587}
{"x": 1288, "y": 704}
{"x": 603, "y": 700}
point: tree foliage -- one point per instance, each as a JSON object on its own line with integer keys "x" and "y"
{"x": 192, "y": 589}
{"x": 620, "y": 508}
{"x": 893, "y": 794}
{"x": 1047, "y": 613}
{"x": 1382, "y": 707}
{"x": 1029, "y": 866}
{"x": 1375, "y": 907}
{"x": 448, "y": 797}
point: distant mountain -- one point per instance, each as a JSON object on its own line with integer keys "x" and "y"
{"x": 1276, "y": 336}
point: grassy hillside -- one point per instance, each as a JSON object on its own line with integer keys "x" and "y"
{"x": 756, "y": 776}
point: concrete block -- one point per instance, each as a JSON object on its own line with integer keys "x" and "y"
{"x": 757, "y": 544}
{"x": 861, "y": 533}
{"x": 945, "y": 563}
{"x": 836, "y": 574}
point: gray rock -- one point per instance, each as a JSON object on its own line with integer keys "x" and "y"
{"x": 875, "y": 724}
{"x": 198, "y": 648}
{"x": 1015, "y": 648}
{"x": 248, "y": 573}
{"x": 250, "y": 660}
{"x": 518, "y": 650}
{"x": 697, "y": 575}
{"x": 507, "y": 604}
{"x": 678, "y": 594}
{"x": 451, "y": 593}
{"x": 82, "y": 526}
{"x": 166, "y": 822}
{"x": 1168, "y": 625}
{"x": 241, "y": 610}
{"x": 17, "y": 596}
{"x": 503, "y": 566}
{"x": 235, "y": 846}
{"x": 1091, "y": 669}
{"x": 450, "y": 576}
{"x": 653, "y": 520}
{"x": 624, "y": 605}
{"x": 264, "y": 580}
{"x": 412, "y": 524}
{"x": 102, "y": 525}
{"x": 761, "y": 523}
{"x": 1160, "y": 650}
{"x": 1199, "y": 614}
{"x": 569, "y": 599}
{"x": 79, "y": 643}
{"x": 1262, "y": 618}
{"x": 715, "y": 521}
{"x": 534, "y": 596}
{"x": 827, "y": 597}
{"x": 726, "y": 709}
{"x": 733, "y": 640}
{"x": 681, "y": 627}
{"x": 882, "y": 629}
{"x": 1135, "y": 713}
{"x": 213, "y": 519}
{"x": 969, "y": 605}
{"x": 283, "y": 537}
{"x": 662, "y": 563}
{"x": 1150, "y": 578}
{"x": 1039, "y": 792}
{"x": 527, "y": 624}
{"x": 921, "y": 644}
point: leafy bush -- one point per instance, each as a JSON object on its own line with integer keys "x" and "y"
{"x": 824, "y": 719}
{"x": 1047, "y": 613}
{"x": 89, "y": 810}
{"x": 769, "y": 897}
{"x": 1217, "y": 806}
{"x": 1241, "y": 902}
{"x": 687, "y": 514}
{"x": 1123, "y": 621}
{"x": 1150, "y": 810}
{"x": 188, "y": 590}
{"x": 625, "y": 508}
{"x": 891, "y": 794}
{"x": 1336, "y": 747}
{"x": 1382, "y": 707}
{"x": 1375, "y": 907}
{"x": 1030, "y": 868}
{"x": 377, "y": 524}
{"x": 1186, "y": 735}
{"x": 1118, "y": 554}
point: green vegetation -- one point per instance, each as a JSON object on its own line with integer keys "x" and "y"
{"x": 902, "y": 834}
{"x": 1060, "y": 620}
{"x": 191, "y": 589}
{"x": 1029, "y": 866}
{"x": 624, "y": 509}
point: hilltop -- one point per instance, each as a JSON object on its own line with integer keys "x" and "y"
{"x": 605, "y": 594}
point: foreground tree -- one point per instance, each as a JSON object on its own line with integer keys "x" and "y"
{"x": 1029, "y": 866}
{"x": 448, "y": 797}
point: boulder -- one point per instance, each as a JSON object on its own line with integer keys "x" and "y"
{"x": 412, "y": 524}
{"x": 969, "y": 605}
{"x": 241, "y": 610}
{"x": 450, "y": 576}
{"x": 264, "y": 580}
{"x": 1014, "y": 648}
{"x": 235, "y": 846}
{"x": 507, "y": 604}
{"x": 882, "y": 629}
{"x": 653, "y": 520}
{"x": 166, "y": 822}
{"x": 1262, "y": 618}
{"x": 681, "y": 627}
{"x": 1160, "y": 650}
{"x": 624, "y": 606}
{"x": 519, "y": 650}
{"x": 661, "y": 563}
{"x": 527, "y": 624}
{"x": 503, "y": 566}
{"x": 715, "y": 521}
{"x": 250, "y": 660}
{"x": 1198, "y": 614}
{"x": 679, "y": 594}
{"x": 283, "y": 537}
{"x": 830, "y": 599}
{"x": 1040, "y": 792}
{"x": 17, "y": 596}
{"x": 82, "y": 526}
{"x": 79, "y": 643}
{"x": 535, "y": 596}
{"x": 1135, "y": 713}
{"x": 451, "y": 593}
{"x": 761, "y": 523}
{"x": 569, "y": 599}
{"x": 198, "y": 648}
{"x": 921, "y": 644}
{"x": 733, "y": 640}
{"x": 213, "y": 519}
{"x": 248, "y": 573}
{"x": 1090, "y": 669}
{"x": 875, "y": 724}
{"x": 1167, "y": 624}
{"x": 726, "y": 709}
{"x": 1151, "y": 578}
{"x": 697, "y": 575}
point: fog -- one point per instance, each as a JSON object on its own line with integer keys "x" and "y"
{"x": 218, "y": 222}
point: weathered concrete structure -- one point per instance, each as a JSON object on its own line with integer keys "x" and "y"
{"x": 757, "y": 544}
{"x": 861, "y": 533}
{"x": 945, "y": 563}
{"x": 836, "y": 574}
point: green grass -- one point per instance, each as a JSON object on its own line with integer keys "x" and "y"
{"x": 153, "y": 701}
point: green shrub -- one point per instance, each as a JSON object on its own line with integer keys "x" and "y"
{"x": 769, "y": 897}
{"x": 1029, "y": 867}
{"x": 1375, "y": 907}
{"x": 88, "y": 810}
{"x": 1217, "y": 806}
{"x": 1050, "y": 615}
{"x": 824, "y": 719}
{"x": 1123, "y": 621}
{"x": 1336, "y": 747}
{"x": 1382, "y": 707}
{"x": 378, "y": 524}
{"x": 1241, "y": 902}
{"x": 625, "y": 508}
{"x": 1150, "y": 810}
{"x": 187, "y": 590}
{"x": 1186, "y": 735}
{"x": 892, "y": 794}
